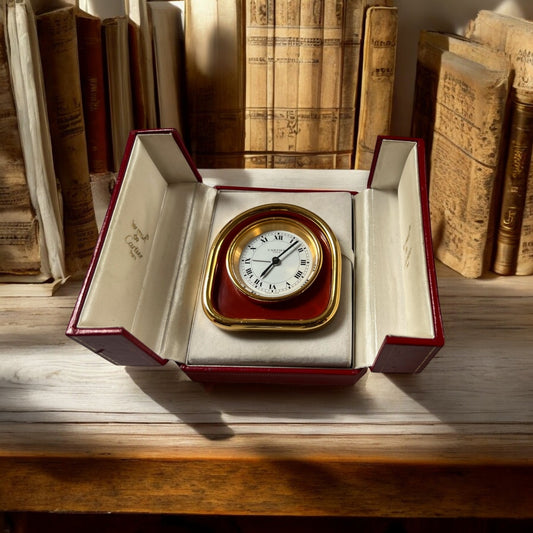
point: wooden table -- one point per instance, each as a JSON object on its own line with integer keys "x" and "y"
{"x": 78, "y": 434}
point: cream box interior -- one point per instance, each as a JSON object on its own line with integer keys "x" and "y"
{"x": 149, "y": 267}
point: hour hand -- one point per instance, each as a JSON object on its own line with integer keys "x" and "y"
{"x": 275, "y": 261}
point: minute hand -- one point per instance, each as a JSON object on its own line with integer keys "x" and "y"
{"x": 276, "y": 260}
{"x": 287, "y": 249}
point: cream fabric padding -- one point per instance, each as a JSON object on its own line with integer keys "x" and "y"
{"x": 147, "y": 248}
{"x": 330, "y": 346}
{"x": 335, "y": 208}
{"x": 392, "y": 287}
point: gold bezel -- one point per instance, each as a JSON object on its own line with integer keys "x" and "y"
{"x": 268, "y": 324}
{"x": 260, "y": 227}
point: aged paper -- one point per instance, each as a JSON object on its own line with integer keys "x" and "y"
{"x": 514, "y": 36}
{"x": 28, "y": 92}
{"x": 301, "y": 81}
{"x": 19, "y": 228}
{"x": 465, "y": 161}
{"x": 59, "y": 57}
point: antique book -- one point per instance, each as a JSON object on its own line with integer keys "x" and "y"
{"x": 19, "y": 226}
{"x": 514, "y": 244}
{"x": 524, "y": 259}
{"x": 377, "y": 81}
{"x": 116, "y": 42}
{"x": 138, "y": 92}
{"x": 59, "y": 58}
{"x": 431, "y": 45}
{"x": 29, "y": 97}
{"x": 214, "y": 45}
{"x": 168, "y": 45}
{"x": 274, "y": 84}
{"x": 141, "y": 50}
{"x": 470, "y": 115}
{"x": 515, "y": 183}
{"x": 91, "y": 59}
{"x": 116, "y": 35}
{"x": 302, "y": 75}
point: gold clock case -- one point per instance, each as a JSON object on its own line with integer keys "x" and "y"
{"x": 261, "y": 214}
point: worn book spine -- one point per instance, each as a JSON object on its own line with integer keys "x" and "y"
{"x": 471, "y": 105}
{"x": 377, "y": 81}
{"x": 259, "y": 104}
{"x": 59, "y": 56}
{"x": 138, "y": 90}
{"x": 214, "y": 46}
{"x": 524, "y": 260}
{"x": 513, "y": 36}
{"x": 143, "y": 50}
{"x": 90, "y": 53}
{"x": 431, "y": 46}
{"x": 30, "y": 103}
{"x": 19, "y": 228}
{"x": 515, "y": 183}
{"x": 168, "y": 46}
{"x": 294, "y": 60}
{"x": 350, "y": 73}
{"x": 119, "y": 91}
{"x": 425, "y": 96}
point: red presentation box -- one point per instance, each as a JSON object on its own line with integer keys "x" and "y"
{"x": 141, "y": 301}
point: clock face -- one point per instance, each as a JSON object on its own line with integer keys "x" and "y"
{"x": 274, "y": 259}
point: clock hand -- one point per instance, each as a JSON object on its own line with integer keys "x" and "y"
{"x": 276, "y": 260}
{"x": 287, "y": 249}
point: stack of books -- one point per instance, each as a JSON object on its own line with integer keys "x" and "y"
{"x": 246, "y": 84}
{"x": 474, "y": 107}
{"x": 289, "y": 84}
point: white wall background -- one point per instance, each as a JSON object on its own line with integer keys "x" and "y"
{"x": 440, "y": 15}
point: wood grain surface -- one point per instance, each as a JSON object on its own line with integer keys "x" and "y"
{"x": 78, "y": 434}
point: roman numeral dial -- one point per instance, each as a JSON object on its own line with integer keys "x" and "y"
{"x": 274, "y": 259}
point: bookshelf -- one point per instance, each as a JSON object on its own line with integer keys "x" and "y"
{"x": 80, "y": 435}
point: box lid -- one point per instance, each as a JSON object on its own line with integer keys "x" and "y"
{"x": 414, "y": 334}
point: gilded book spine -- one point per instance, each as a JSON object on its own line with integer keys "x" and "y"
{"x": 59, "y": 57}
{"x": 524, "y": 261}
{"x": 515, "y": 183}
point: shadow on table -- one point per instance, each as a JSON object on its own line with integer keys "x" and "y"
{"x": 211, "y": 409}
{"x": 481, "y": 374}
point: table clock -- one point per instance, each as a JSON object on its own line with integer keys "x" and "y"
{"x": 275, "y": 267}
